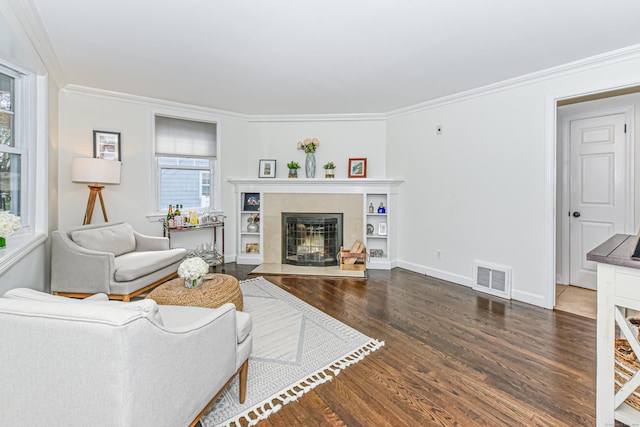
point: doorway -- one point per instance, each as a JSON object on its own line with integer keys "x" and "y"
{"x": 595, "y": 194}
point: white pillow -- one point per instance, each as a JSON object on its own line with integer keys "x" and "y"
{"x": 116, "y": 239}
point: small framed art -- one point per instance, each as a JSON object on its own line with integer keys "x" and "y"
{"x": 382, "y": 229}
{"x": 252, "y": 248}
{"x": 358, "y": 168}
{"x": 267, "y": 169}
{"x": 251, "y": 202}
{"x": 106, "y": 145}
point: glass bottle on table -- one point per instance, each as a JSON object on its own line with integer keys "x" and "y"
{"x": 170, "y": 220}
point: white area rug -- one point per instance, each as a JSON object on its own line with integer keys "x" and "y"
{"x": 295, "y": 348}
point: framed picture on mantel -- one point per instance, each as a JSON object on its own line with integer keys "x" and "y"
{"x": 358, "y": 168}
{"x": 267, "y": 169}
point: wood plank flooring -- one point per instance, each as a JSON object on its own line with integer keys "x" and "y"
{"x": 453, "y": 357}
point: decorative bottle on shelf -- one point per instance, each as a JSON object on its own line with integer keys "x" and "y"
{"x": 381, "y": 209}
{"x": 371, "y": 207}
{"x": 170, "y": 220}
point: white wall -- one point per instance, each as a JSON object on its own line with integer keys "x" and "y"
{"x": 480, "y": 191}
{"x": 81, "y": 112}
{"x": 339, "y": 141}
{"x": 242, "y": 144}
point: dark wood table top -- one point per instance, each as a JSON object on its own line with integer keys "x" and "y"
{"x": 617, "y": 250}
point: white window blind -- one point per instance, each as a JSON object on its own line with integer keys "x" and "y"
{"x": 185, "y": 137}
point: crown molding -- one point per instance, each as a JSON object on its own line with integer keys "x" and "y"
{"x": 26, "y": 15}
{"x": 585, "y": 64}
{"x": 608, "y": 58}
{"x": 151, "y": 102}
{"x": 317, "y": 117}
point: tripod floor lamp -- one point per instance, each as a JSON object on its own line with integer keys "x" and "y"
{"x": 96, "y": 172}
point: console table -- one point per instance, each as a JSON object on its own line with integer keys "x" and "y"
{"x": 166, "y": 232}
{"x": 618, "y": 290}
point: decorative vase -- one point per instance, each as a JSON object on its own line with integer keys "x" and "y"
{"x": 310, "y": 165}
{"x": 253, "y": 227}
{"x": 328, "y": 173}
{"x": 3, "y": 243}
{"x": 193, "y": 283}
{"x": 293, "y": 173}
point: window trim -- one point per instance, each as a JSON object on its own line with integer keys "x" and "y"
{"x": 33, "y": 91}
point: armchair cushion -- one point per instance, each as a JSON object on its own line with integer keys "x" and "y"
{"x": 33, "y": 295}
{"x": 118, "y": 239}
{"x": 133, "y": 265}
{"x": 243, "y": 325}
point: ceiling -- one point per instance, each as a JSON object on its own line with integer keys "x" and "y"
{"x": 280, "y": 57}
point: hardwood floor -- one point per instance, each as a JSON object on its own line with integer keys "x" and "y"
{"x": 453, "y": 357}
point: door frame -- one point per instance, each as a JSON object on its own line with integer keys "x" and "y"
{"x": 551, "y": 172}
{"x": 565, "y": 142}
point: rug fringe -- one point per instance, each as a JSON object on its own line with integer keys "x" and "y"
{"x": 274, "y": 403}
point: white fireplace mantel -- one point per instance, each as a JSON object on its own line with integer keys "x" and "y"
{"x": 315, "y": 185}
{"x": 353, "y": 197}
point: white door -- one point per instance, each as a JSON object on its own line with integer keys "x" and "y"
{"x": 598, "y": 190}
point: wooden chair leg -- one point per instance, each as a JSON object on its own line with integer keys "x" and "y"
{"x": 244, "y": 370}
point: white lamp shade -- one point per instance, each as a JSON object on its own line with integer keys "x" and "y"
{"x": 87, "y": 169}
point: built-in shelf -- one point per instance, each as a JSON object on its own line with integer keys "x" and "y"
{"x": 374, "y": 190}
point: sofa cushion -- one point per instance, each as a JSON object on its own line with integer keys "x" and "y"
{"x": 33, "y": 295}
{"x": 116, "y": 239}
{"x": 133, "y": 265}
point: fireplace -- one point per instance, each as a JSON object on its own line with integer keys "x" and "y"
{"x": 311, "y": 239}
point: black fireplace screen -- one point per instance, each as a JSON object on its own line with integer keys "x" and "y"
{"x": 311, "y": 239}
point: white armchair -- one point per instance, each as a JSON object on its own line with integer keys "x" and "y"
{"x": 67, "y": 362}
{"x": 110, "y": 258}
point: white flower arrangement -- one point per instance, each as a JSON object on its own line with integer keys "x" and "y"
{"x": 9, "y": 224}
{"x": 193, "y": 268}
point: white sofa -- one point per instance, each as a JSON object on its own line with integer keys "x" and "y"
{"x": 94, "y": 362}
{"x": 110, "y": 258}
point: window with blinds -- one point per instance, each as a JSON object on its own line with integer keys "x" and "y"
{"x": 185, "y": 153}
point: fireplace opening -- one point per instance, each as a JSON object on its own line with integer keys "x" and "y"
{"x": 311, "y": 239}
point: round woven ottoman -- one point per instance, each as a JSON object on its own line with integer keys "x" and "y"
{"x": 216, "y": 290}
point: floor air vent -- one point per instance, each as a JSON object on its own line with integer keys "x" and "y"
{"x": 492, "y": 279}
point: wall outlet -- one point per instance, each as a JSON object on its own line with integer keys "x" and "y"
{"x": 438, "y": 254}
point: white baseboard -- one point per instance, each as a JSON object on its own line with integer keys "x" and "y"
{"x": 526, "y": 297}
{"x": 438, "y": 274}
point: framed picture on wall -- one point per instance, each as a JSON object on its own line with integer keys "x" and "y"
{"x": 106, "y": 145}
{"x": 267, "y": 169}
{"x": 358, "y": 168}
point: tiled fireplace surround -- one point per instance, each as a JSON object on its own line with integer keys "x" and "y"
{"x": 273, "y": 204}
{"x": 344, "y": 196}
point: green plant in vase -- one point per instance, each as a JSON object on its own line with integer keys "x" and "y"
{"x": 293, "y": 169}
{"x": 329, "y": 168}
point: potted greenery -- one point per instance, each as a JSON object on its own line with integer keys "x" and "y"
{"x": 293, "y": 169}
{"x": 329, "y": 168}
